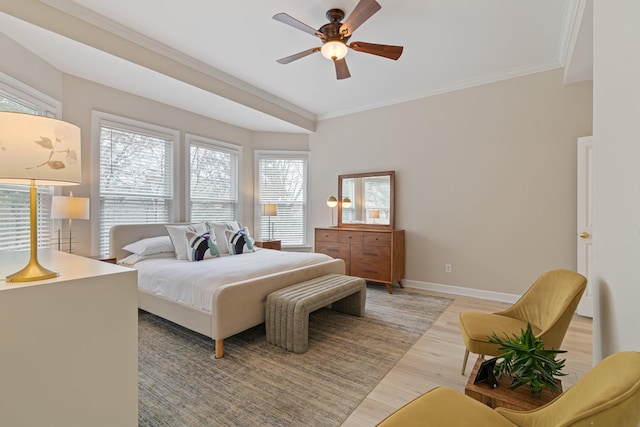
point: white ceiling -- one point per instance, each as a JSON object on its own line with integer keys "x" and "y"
{"x": 448, "y": 45}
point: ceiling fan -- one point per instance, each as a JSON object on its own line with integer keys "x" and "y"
{"x": 336, "y": 34}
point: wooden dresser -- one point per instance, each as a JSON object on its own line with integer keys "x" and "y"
{"x": 374, "y": 255}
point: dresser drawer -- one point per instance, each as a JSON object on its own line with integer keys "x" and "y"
{"x": 351, "y": 237}
{"x": 371, "y": 254}
{"x": 374, "y": 272}
{"x": 327, "y": 235}
{"x": 377, "y": 239}
{"x": 335, "y": 250}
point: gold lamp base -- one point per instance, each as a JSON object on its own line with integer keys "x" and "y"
{"x": 32, "y": 272}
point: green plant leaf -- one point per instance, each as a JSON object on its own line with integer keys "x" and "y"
{"x": 527, "y": 361}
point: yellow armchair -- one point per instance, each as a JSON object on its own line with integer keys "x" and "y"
{"x": 548, "y": 306}
{"x": 608, "y": 395}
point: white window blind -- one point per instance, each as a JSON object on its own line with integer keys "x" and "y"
{"x": 136, "y": 177}
{"x": 282, "y": 179}
{"x": 14, "y": 199}
{"x": 213, "y": 180}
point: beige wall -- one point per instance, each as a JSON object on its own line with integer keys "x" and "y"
{"x": 616, "y": 229}
{"x": 22, "y": 65}
{"x": 485, "y": 177}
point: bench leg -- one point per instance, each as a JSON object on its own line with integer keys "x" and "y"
{"x": 219, "y": 349}
{"x": 299, "y": 331}
{"x": 351, "y": 304}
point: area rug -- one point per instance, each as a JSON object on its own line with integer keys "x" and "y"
{"x": 259, "y": 384}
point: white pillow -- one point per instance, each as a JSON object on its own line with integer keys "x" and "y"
{"x": 150, "y": 246}
{"x": 201, "y": 246}
{"x": 240, "y": 241}
{"x": 218, "y": 228}
{"x": 179, "y": 239}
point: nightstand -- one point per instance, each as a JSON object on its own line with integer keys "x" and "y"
{"x": 270, "y": 244}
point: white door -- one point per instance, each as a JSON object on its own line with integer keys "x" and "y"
{"x": 585, "y": 220}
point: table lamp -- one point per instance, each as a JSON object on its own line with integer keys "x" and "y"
{"x": 37, "y": 150}
{"x": 374, "y": 214}
{"x": 63, "y": 207}
{"x": 269, "y": 210}
{"x": 332, "y": 202}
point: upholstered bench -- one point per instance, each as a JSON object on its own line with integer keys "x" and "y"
{"x": 287, "y": 310}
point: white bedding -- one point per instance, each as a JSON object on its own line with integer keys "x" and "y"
{"x": 194, "y": 283}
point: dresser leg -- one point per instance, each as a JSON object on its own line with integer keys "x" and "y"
{"x": 400, "y": 283}
{"x": 389, "y": 288}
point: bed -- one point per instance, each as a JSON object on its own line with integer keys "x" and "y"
{"x": 234, "y": 303}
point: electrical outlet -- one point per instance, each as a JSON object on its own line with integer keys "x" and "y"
{"x": 447, "y": 268}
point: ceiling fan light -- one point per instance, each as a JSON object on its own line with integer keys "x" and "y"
{"x": 334, "y": 50}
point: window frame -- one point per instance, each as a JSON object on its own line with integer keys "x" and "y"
{"x": 214, "y": 144}
{"x": 100, "y": 119}
{"x": 283, "y": 154}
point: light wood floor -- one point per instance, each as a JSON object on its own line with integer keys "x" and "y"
{"x": 436, "y": 359}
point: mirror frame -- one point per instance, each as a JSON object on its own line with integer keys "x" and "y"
{"x": 390, "y": 226}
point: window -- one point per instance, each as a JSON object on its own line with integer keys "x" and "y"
{"x": 213, "y": 180}
{"x": 281, "y": 178}
{"x": 14, "y": 199}
{"x": 136, "y": 171}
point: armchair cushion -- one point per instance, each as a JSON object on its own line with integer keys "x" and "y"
{"x": 445, "y": 407}
{"x": 476, "y": 327}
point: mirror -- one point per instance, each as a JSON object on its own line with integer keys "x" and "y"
{"x": 366, "y": 200}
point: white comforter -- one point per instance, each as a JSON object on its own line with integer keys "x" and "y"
{"x": 195, "y": 283}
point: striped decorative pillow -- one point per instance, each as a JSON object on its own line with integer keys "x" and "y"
{"x": 240, "y": 241}
{"x": 201, "y": 246}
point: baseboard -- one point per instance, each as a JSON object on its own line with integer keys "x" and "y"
{"x": 459, "y": 290}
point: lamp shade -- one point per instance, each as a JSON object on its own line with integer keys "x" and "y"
{"x": 40, "y": 149}
{"x": 332, "y": 202}
{"x": 270, "y": 209}
{"x": 63, "y": 207}
{"x": 346, "y": 202}
{"x": 334, "y": 49}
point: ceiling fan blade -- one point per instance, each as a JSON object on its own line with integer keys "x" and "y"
{"x": 363, "y": 11}
{"x": 384, "y": 50}
{"x": 290, "y": 20}
{"x": 342, "y": 71}
{"x": 298, "y": 55}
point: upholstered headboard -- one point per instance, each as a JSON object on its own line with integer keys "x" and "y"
{"x": 122, "y": 235}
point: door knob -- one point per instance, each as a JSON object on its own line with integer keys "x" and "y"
{"x": 585, "y": 235}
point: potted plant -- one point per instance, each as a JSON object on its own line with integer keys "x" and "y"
{"x": 528, "y": 362}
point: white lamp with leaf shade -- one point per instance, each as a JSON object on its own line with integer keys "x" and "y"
{"x": 37, "y": 150}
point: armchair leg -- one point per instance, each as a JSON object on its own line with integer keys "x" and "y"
{"x": 464, "y": 362}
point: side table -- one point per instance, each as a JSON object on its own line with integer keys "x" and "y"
{"x": 270, "y": 244}
{"x": 519, "y": 399}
